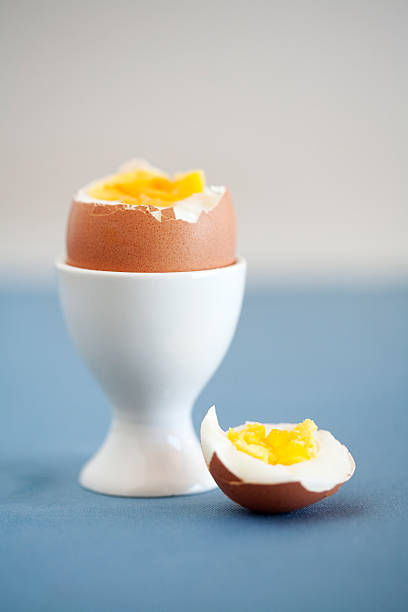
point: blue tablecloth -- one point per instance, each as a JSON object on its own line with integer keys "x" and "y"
{"x": 338, "y": 356}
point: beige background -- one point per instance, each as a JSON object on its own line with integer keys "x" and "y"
{"x": 300, "y": 107}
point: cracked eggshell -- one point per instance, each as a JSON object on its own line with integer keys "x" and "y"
{"x": 197, "y": 233}
{"x": 260, "y": 487}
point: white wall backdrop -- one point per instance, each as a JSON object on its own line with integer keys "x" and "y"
{"x": 299, "y": 106}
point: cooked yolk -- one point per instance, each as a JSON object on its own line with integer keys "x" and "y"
{"x": 146, "y": 187}
{"x": 279, "y": 446}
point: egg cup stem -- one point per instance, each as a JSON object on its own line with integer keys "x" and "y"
{"x": 152, "y": 341}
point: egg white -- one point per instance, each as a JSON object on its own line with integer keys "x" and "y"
{"x": 332, "y": 466}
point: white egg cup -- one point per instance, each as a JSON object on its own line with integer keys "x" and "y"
{"x": 152, "y": 341}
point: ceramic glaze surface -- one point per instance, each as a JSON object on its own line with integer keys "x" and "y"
{"x": 152, "y": 341}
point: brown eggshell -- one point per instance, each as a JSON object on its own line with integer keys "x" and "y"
{"x": 121, "y": 239}
{"x": 267, "y": 498}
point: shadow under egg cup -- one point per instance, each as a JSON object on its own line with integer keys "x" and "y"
{"x": 152, "y": 341}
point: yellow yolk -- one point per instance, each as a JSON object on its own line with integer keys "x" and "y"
{"x": 149, "y": 188}
{"x": 279, "y": 446}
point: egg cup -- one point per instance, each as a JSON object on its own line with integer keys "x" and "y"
{"x": 152, "y": 341}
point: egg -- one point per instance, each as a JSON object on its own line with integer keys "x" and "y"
{"x": 140, "y": 220}
{"x": 274, "y": 468}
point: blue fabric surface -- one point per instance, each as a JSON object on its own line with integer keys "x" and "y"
{"x": 338, "y": 356}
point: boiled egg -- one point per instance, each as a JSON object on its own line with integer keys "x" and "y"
{"x": 274, "y": 467}
{"x": 142, "y": 220}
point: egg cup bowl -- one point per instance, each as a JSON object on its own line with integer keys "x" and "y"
{"x": 152, "y": 341}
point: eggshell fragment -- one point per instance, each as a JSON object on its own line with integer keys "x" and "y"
{"x": 122, "y": 238}
{"x": 268, "y": 497}
{"x": 283, "y": 497}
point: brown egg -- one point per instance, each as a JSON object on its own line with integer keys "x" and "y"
{"x": 255, "y": 488}
{"x": 126, "y": 238}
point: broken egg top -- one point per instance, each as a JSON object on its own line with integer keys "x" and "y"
{"x": 331, "y": 465}
{"x": 146, "y": 186}
{"x": 279, "y": 446}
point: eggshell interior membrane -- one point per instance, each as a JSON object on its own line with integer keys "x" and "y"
{"x": 196, "y": 233}
{"x": 278, "y": 488}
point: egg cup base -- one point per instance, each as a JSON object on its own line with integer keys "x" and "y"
{"x": 142, "y": 460}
